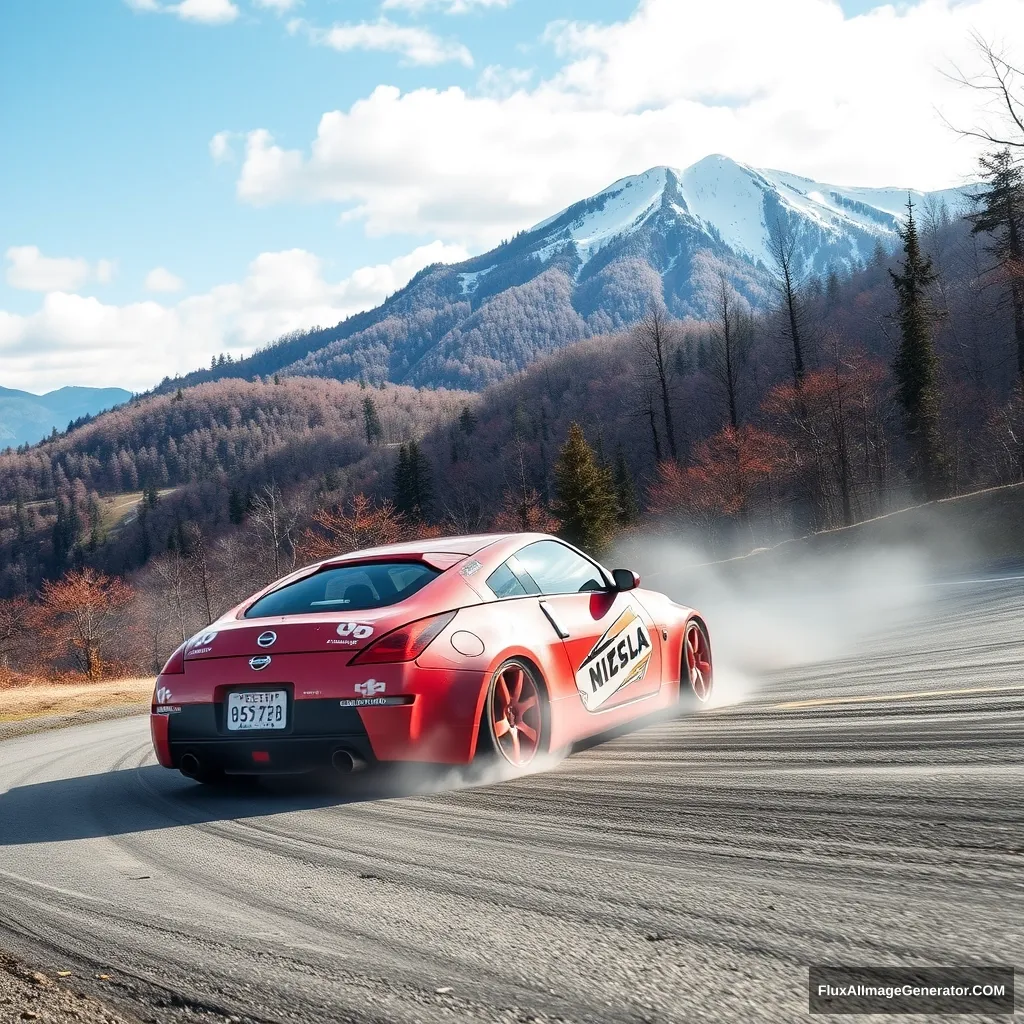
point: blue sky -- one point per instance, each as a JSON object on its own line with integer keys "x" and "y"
{"x": 501, "y": 112}
{"x": 112, "y": 111}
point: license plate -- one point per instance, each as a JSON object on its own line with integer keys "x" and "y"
{"x": 257, "y": 709}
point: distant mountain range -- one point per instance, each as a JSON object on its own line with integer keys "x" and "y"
{"x": 594, "y": 268}
{"x": 26, "y": 418}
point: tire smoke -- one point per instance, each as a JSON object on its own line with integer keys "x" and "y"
{"x": 783, "y": 608}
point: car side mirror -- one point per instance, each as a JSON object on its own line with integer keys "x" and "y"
{"x": 625, "y": 579}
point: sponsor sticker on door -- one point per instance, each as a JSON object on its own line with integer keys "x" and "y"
{"x": 619, "y": 658}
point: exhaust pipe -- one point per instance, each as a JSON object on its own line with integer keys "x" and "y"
{"x": 345, "y": 762}
{"x": 190, "y": 766}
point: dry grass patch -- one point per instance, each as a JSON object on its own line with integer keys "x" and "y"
{"x": 25, "y": 702}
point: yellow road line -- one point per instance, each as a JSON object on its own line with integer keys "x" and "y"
{"x": 868, "y": 698}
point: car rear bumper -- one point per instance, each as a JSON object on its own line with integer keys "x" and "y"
{"x": 437, "y": 724}
{"x": 292, "y": 756}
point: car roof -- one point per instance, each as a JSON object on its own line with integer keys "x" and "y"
{"x": 466, "y": 545}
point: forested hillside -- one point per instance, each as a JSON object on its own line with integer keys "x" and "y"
{"x": 214, "y": 445}
{"x": 849, "y": 396}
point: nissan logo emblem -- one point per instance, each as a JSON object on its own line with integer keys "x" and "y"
{"x": 267, "y": 639}
{"x": 261, "y": 661}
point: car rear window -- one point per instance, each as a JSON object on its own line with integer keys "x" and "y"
{"x": 346, "y": 588}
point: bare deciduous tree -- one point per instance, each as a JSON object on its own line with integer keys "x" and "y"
{"x": 171, "y": 571}
{"x": 273, "y": 520}
{"x": 653, "y": 336}
{"x": 1001, "y": 84}
{"x": 726, "y": 353}
{"x": 782, "y": 247}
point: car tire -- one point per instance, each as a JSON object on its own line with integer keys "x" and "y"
{"x": 515, "y": 716}
{"x": 696, "y": 680}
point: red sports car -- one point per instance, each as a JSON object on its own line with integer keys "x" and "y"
{"x": 496, "y": 646}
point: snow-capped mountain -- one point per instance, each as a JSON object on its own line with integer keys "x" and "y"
{"x": 664, "y": 235}
{"x": 720, "y": 206}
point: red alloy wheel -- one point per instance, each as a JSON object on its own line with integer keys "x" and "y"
{"x": 515, "y": 713}
{"x": 697, "y": 653}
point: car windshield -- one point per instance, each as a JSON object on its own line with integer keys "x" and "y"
{"x": 347, "y": 588}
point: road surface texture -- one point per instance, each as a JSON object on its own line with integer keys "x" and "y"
{"x": 864, "y": 809}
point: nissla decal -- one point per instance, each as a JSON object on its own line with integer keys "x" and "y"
{"x": 370, "y": 687}
{"x": 469, "y": 568}
{"x": 619, "y": 658}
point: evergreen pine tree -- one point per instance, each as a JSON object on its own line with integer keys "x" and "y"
{"x": 467, "y": 421}
{"x": 20, "y": 521}
{"x": 236, "y": 506}
{"x": 625, "y": 490}
{"x": 371, "y": 420}
{"x": 586, "y": 501}
{"x": 404, "y": 495}
{"x": 1000, "y": 213}
{"x": 420, "y": 484}
{"x": 916, "y": 367}
{"x": 832, "y": 287}
{"x": 61, "y": 547}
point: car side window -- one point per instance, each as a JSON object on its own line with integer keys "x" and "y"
{"x": 503, "y": 583}
{"x": 557, "y": 569}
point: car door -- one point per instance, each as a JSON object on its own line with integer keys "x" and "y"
{"x": 613, "y": 647}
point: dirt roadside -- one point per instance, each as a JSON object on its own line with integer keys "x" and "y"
{"x": 31, "y": 996}
{"x": 27, "y": 709}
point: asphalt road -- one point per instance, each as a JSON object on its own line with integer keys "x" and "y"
{"x": 867, "y": 808}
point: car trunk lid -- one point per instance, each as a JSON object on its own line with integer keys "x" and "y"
{"x": 294, "y": 634}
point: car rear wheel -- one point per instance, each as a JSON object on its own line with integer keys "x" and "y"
{"x": 515, "y": 713}
{"x": 698, "y": 677}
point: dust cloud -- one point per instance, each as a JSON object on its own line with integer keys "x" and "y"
{"x": 785, "y": 607}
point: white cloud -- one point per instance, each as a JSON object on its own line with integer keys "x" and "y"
{"x": 29, "y": 270}
{"x": 496, "y": 80}
{"x": 105, "y": 270}
{"x": 73, "y": 339}
{"x": 791, "y": 84}
{"x": 416, "y": 45}
{"x": 449, "y": 6}
{"x": 220, "y": 147}
{"x": 280, "y": 6}
{"x": 159, "y": 279}
{"x": 208, "y": 12}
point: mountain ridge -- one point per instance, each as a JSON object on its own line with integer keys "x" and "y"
{"x": 664, "y": 235}
{"x": 26, "y": 418}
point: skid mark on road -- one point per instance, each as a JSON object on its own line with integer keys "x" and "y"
{"x": 870, "y": 698}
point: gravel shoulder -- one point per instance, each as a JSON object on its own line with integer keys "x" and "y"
{"x": 29, "y": 709}
{"x": 27, "y": 995}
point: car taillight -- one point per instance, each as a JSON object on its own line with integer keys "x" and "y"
{"x": 175, "y": 663}
{"x": 405, "y": 643}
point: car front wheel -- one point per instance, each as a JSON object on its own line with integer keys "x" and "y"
{"x": 698, "y": 677}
